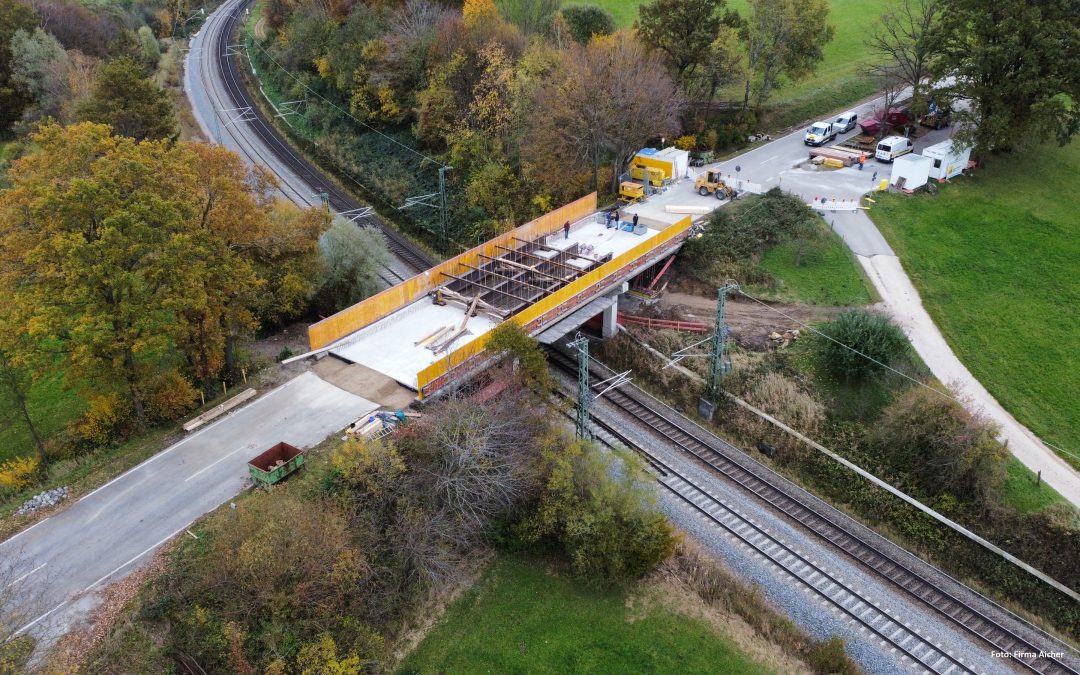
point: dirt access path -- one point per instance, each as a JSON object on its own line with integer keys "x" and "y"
{"x": 751, "y": 324}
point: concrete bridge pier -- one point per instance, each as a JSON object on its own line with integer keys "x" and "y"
{"x": 611, "y": 320}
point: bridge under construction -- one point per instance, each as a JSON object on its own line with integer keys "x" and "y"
{"x": 431, "y": 330}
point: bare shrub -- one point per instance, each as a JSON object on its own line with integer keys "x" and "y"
{"x": 781, "y": 397}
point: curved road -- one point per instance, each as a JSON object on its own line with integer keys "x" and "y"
{"x": 228, "y": 115}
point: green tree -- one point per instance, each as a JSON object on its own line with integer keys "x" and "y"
{"x": 511, "y": 340}
{"x": 40, "y": 69}
{"x": 1018, "y": 66}
{"x": 129, "y": 103}
{"x": 15, "y": 15}
{"x": 856, "y": 335}
{"x": 585, "y": 21}
{"x": 352, "y": 257}
{"x": 531, "y": 16}
{"x": 784, "y": 39}
{"x": 684, "y": 30}
{"x": 603, "y": 519}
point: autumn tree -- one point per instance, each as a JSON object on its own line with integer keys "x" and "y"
{"x": 904, "y": 39}
{"x": 127, "y": 271}
{"x": 784, "y": 39}
{"x": 1017, "y": 64}
{"x": 609, "y": 98}
{"x": 129, "y": 103}
{"x": 15, "y": 15}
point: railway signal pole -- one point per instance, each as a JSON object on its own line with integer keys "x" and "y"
{"x": 718, "y": 366}
{"x": 584, "y": 397}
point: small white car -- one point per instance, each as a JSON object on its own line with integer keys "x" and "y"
{"x": 846, "y": 122}
{"x": 891, "y": 147}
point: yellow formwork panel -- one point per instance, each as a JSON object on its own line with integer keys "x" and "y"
{"x": 545, "y": 305}
{"x": 367, "y": 312}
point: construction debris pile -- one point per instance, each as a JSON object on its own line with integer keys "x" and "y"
{"x": 782, "y": 340}
{"x": 44, "y": 500}
{"x": 380, "y": 423}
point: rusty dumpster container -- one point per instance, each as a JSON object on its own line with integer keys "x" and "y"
{"x": 275, "y": 464}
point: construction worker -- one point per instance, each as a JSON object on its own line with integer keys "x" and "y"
{"x": 862, "y": 160}
{"x": 636, "y": 216}
{"x": 566, "y": 230}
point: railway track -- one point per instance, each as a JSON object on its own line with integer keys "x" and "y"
{"x": 764, "y": 484}
{"x": 413, "y": 260}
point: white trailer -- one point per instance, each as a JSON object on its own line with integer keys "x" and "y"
{"x": 948, "y": 160}
{"x": 910, "y": 172}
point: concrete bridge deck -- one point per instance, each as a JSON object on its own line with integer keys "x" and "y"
{"x": 418, "y": 334}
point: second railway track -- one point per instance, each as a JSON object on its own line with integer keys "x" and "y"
{"x": 693, "y": 440}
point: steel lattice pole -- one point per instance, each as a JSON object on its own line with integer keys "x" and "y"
{"x": 581, "y": 344}
{"x": 719, "y": 340}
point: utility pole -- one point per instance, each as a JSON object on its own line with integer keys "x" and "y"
{"x": 718, "y": 367}
{"x": 584, "y": 398}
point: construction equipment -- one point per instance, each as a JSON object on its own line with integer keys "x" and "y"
{"x": 656, "y": 176}
{"x": 710, "y": 182}
{"x": 631, "y": 192}
{"x": 702, "y": 157}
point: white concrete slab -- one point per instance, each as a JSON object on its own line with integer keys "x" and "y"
{"x": 601, "y": 238}
{"x": 389, "y": 345}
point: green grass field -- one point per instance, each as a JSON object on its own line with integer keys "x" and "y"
{"x": 51, "y": 406}
{"x": 828, "y": 276}
{"x": 1022, "y": 494}
{"x": 994, "y": 258}
{"x": 838, "y": 80}
{"x": 522, "y": 619}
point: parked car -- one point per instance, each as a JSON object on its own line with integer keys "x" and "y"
{"x": 820, "y": 133}
{"x": 892, "y": 147}
{"x": 847, "y": 121}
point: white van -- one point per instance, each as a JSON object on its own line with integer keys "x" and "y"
{"x": 846, "y": 122}
{"x": 892, "y": 147}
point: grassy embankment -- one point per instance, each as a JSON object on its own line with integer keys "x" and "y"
{"x": 839, "y": 80}
{"x": 521, "y": 618}
{"x": 828, "y": 275}
{"x": 994, "y": 259}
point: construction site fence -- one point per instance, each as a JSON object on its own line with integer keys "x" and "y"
{"x": 367, "y": 312}
{"x": 672, "y": 324}
{"x": 531, "y": 315}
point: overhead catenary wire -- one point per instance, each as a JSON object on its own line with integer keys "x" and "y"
{"x": 920, "y": 383}
{"x": 333, "y": 105}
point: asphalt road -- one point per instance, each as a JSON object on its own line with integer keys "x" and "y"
{"x": 64, "y": 559}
